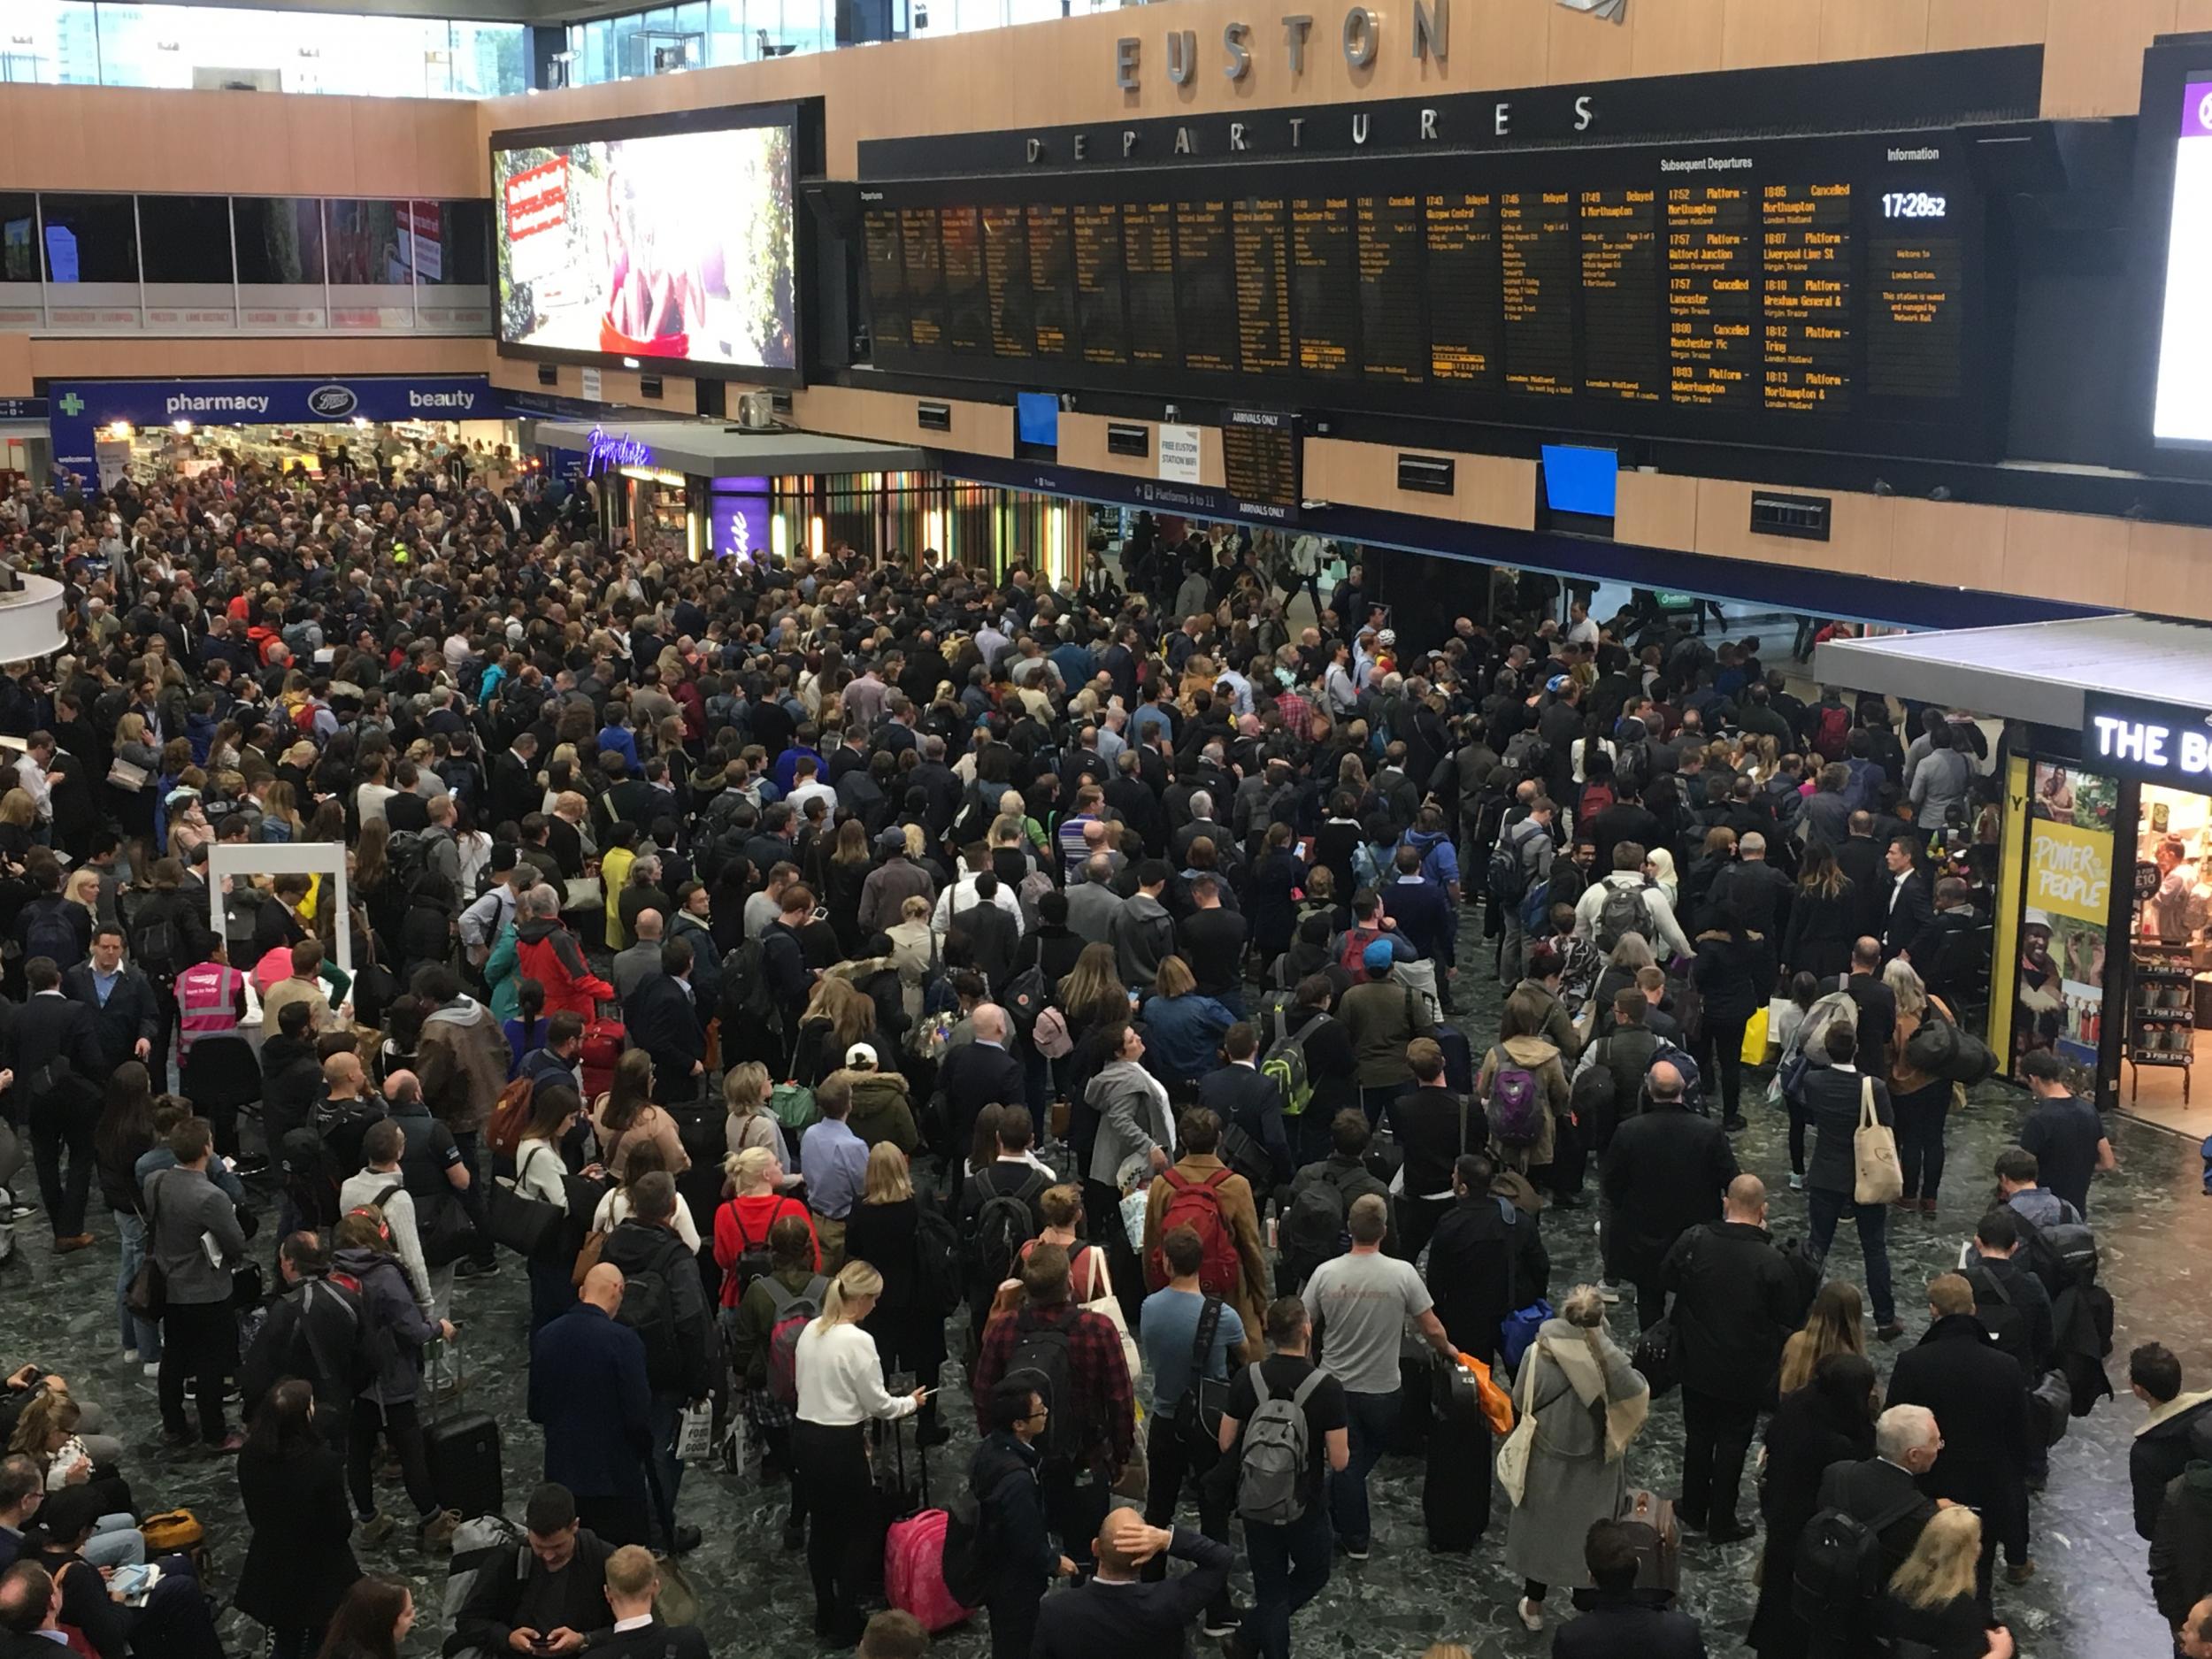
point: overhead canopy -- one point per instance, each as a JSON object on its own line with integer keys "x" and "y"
{"x": 2039, "y": 671}
{"x": 706, "y": 449}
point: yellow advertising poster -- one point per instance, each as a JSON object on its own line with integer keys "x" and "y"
{"x": 2069, "y": 870}
{"x": 2059, "y": 968}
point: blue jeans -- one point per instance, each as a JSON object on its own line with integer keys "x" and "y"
{"x": 115, "y": 1541}
{"x": 1371, "y": 1418}
{"x": 1290, "y": 1564}
{"x": 1827, "y": 1209}
{"x": 666, "y": 1474}
{"x": 141, "y": 1334}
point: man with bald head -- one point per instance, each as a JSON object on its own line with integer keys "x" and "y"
{"x": 1736, "y": 1300}
{"x": 1115, "y": 1613}
{"x": 982, "y": 1072}
{"x": 589, "y": 1392}
{"x": 1664, "y": 1174}
{"x": 641, "y": 961}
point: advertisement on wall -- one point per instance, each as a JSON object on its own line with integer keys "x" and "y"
{"x": 2059, "y": 992}
{"x": 77, "y": 409}
{"x": 669, "y": 244}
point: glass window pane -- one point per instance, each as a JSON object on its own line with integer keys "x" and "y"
{"x": 451, "y": 241}
{"x": 280, "y": 261}
{"x": 187, "y": 238}
{"x": 369, "y": 260}
{"x": 19, "y": 238}
{"x": 90, "y": 239}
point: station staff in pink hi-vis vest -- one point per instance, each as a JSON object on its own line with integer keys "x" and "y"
{"x": 213, "y": 998}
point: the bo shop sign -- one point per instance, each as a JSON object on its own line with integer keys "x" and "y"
{"x": 1360, "y": 35}
{"x": 2153, "y": 741}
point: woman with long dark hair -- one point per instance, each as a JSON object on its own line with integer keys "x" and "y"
{"x": 372, "y": 1622}
{"x": 1824, "y": 918}
{"x": 1830, "y": 1420}
{"x": 1730, "y": 960}
{"x": 299, "y": 1562}
{"x": 124, "y": 1135}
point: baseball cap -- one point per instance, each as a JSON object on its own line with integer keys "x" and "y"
{"x": 860, "y": 1054}
{"x": 891, "y": 840}
{"x": 1378, "y": 956}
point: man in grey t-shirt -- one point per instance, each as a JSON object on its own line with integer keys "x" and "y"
{"x": 1359, "y": 1305}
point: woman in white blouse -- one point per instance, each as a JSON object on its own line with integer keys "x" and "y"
{"x": 540, "y": 1172}
{"x": 840, "y": 1387}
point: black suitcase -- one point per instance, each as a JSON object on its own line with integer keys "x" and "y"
{"x": 462, "y": 1452}
{"x": 1456, "y": 1485}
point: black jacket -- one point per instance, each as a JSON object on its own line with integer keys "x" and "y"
{"x": 2160, "y": 1451}
{"x": 1821, "y": 932}
{"x": 47, "y": 1030}
{"x": 299, "y": 1563}
{"x": 1614, "y": 1625}
{"x": 315, "y": 1331}
{"x": 1871, "y": 1489}
{"x": 130, "y": 1013}
{"x": 1831, "y": 1103}
{"x": 638, "y": 1247}
{"x": 1485, "y": 1259}
{"x": 655, "y": 1641}
{"x": 513, "y": 1591}
{"x": 2008, "y": 1281}
{"x": 1804, "y": 1437}
{"x": 2181, "y": 1547}
{"x": 1665, "y": 1173}
{"x": 1429, "y": 1125}
{"x": 1003, "y": 1474}
{"x": 1119, "y": 1620}
{"x": 1980, "y": 1399}
{"x": 1736, "y": 1300}
{"x": 972, "y": 1077}
{"x": 665, "y": 1023}
{"x": 1907, "y": 915}
{"x": 291, "y": 1078}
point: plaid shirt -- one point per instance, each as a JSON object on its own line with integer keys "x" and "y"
{"x": 1297, "y": 714}
{"x": 1104, "y": 1402}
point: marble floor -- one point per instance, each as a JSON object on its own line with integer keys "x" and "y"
{"x": 2088, "y": 1602}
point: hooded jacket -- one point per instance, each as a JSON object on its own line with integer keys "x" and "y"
{"x": 387, "y": 1307}
{"x": 1143, "y": 937}
{"x": 463, "y": 1058}
{"x": 881, "y": 1109}
{"x": 1440, "y": 860}
{"x": 547, "y": 953}
{"x": 1541, "y": 1060}
{"x": 2181, "y": 1551}
{"x": 2178, "y": 1433}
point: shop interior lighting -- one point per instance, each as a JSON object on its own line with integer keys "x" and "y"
{"x": 779, "y": 538}
{"x": 182, "y": 428}
{"x": 817, "y": 539}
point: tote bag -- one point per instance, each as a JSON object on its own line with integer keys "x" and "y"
{"x": 523, "y": 1224}
{"x": 1881, "y": 1180}
{"x": 1513, "y": 1455}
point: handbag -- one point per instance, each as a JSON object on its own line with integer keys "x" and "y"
{"x": 791, "y": 1102}
{"x": 1755, "y": 1037}
{"x": 677, "y": 1606}
{"x": 1513, "y": 1455}
{"x": 1107, "y": 1306}
{"x": 588, "y": 1258}
{"x": 148, "y": 1293}
{"x": 582, "y": 893}
{"x": 695, "y": 1433}
{"x": 1880, "y": 1178}
{"x": 1463, "y": 1391}
{"x": 128, "y": 776}
{"x": 1654, "y": 1357}
{"x": 523, "y": 1224}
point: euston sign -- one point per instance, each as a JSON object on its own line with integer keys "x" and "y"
{"x": 2150, "y": 740}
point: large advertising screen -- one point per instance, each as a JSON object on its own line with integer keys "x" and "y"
{"x": 632, "y": 240}
{"x": 2181, "y": 412}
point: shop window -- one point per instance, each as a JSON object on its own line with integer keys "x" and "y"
{"x": 280, "y": 239}
{"x": 372, "y": 274}
{"x": 90, "y": 239}
{"x": 186, "y": 238}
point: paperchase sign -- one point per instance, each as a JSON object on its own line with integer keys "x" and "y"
{"x": 79, "y": 409}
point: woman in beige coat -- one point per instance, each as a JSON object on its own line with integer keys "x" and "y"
{"x": 1522, "y": 1043}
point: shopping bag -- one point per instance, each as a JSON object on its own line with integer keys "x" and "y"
{"x": 695, "y": 1433}
{"x": 1513, "y": 1455}
{"x": 1755, "y": 1037}
{"x": 1880, "y": 1178}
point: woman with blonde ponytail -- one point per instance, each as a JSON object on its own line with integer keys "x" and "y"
{"x": 840, "y": 1386}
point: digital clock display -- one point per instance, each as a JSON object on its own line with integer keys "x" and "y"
{"x": 1912, "y": 204}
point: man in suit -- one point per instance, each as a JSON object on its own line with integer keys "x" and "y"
{"x": 1906, "y": 908}
{"x": 126, "y": 1016}
{"x": 641, "y": 962}
{"x": 663, "y": 1016}
{"x": 1245, "y": 1098}
{"x": 1665, "y": 1173}
{"x": 1877, "y": 1005}
{"x": 1860, "y": 858}
{"x": 981, "y": 1073}
{"x": 1615, "y": 1620}
{"x": 632, "y": 1581}
{"x": 54, "y": 1056}
{"x": 588, "y": 1391}
{"x": 1981, "y": 1395}
{"x": 1115, "y": 1614}
{"x": 513, "y": 789}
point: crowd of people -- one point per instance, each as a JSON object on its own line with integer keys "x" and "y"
{"x": 836, "y": 980}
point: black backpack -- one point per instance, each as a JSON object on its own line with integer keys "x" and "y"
{"x": 968, "y": 1556}
{"x": 47, "y": 932}
{"x": 1040, "y": 1355}
{"x": 938, "y": 1241}
{"x": 155, "y": 944}
{"x": 1027, "y": 994}
{"x": 1838, "y": 1569}
{"x": 2006, "y": 1325}
{"x": 2065, "y": 1256}
{"x": 1003, "y": 1224}
{"x": 648, "y": 1308}
{"x": 746, "y": 998}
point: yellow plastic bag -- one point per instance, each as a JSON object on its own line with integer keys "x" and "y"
{"x": 1754, "y": 1039}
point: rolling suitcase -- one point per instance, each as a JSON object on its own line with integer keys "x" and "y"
{"x": 462, "y": 1452}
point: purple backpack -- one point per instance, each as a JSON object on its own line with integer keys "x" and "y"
{"x": 1517, "y": 1105}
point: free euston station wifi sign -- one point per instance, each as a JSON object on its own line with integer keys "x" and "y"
{"x": 2153, "y": 742}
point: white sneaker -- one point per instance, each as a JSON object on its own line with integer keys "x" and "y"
{"x": 152, "y": 1367}
{"x": 1532, "y": 1613}
{"x": 1609, "y": 1293}
{"x": 130, "y": 1357}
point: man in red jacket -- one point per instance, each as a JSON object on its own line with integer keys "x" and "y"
{"x": 548, "y": 952}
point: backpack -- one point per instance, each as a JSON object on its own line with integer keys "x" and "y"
{"x": 1515, "y": 1105}
{"x": 406, "y": 856}
{"x": 1839, "y": 1568}
{"x": 155, "y": 945}
{"x": 1622, "y": 910}
{"x": 1025, "y": 998}
{"x": 2007, "y": 1325}
{"x": 648, "y": 1309}
{"x": 476, "y": 1544}
{"x": 1050, "y": 1034}
{"x": 746, "y": 998}
{"x": 1595, "y": 798}
{"x": 1832, "y": 730}
{"x": 969, "y": 1557}
{"x": 796, "y": 1309}
{"x": 1003, "y": 1223}
{"x": 754, "y": 1259}
{"x": 1351, "y": 954}
{"x": 1313, "y": 1230}
{"x": 1197, "y": 1205}
{"x": 1693, "y": 1080}
{"x": 2065, "y": 1256}
{"x": 1040, "y": 1352}
{"x": 47, "y": 932}
{"x": 937, "y": 1282}
{"x": 1284, "y": 1061}
{"x": 1278, "y": 1447}
{"x": 1507, "y": 878}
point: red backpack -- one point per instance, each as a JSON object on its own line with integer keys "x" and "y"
{"x": 1595, "y": 798}
{"x": 1197, "y": 1205}
{"x": 1832, "y": 730}
{"x": 1352, "y": 957}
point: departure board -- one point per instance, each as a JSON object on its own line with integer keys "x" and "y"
{"x": 1259, "y": 461}
{"x": 1712, "y": 273}
{"x": 1325, "y": 283}
{"x": 1805, "y": 266}
{"x": 1537, "y": 256}
{"x": 1147, "y": 242}
{"x": 1393, "y": 345}
{"x": 1100, "y": 289}
{"x": 887, "y": 279}
{"x": 1206, "y": 286}
{"x": 1820, "y": 291}
{"x": 1262, "y": 225}
{"x": 1013, "y": 312}
{"x": 1051, "y": 279}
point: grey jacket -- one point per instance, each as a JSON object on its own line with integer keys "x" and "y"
{"x": 387, "y": 1304}
{"x": 1143, "y": 937}
{"x": 1133, "y": 1117}
{"x": 183, "y": 1204}
{"x": 1092, "y": 907}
